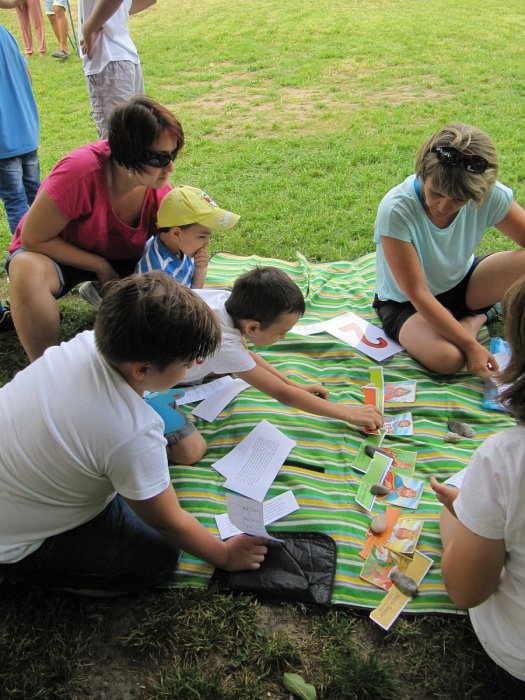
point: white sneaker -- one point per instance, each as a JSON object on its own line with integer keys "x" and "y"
{"x": 89, "y": 291}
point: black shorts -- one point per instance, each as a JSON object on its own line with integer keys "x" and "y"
{"x": 69, "y": 277}
{"x": 394, "y": 314}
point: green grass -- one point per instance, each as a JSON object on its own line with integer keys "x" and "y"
{"x": 299, "y": 116}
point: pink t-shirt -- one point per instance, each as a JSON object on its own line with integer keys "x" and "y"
{"x": 79, "y": 188}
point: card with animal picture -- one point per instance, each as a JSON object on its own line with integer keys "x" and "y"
{"x": 405, "y": 535}
{"x": 404, "y": 491}
{"x": 380, "y": 563}
{"x": 400, "y": 392}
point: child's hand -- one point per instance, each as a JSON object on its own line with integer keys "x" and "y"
{"x": 445, "y": 494}
{"x": 201, "y": 258}
{"x": 367, "y": 417}
{"x": 245, "y": 552}
{"x": 316, "y": 389}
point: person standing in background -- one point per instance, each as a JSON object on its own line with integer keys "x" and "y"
{"x": 19, "y": 138}
{"x": 56, "y": 13}
{"x": 113, "y": 71}
{"x": 19, "y": 133}
{"x": 29, "y": 12}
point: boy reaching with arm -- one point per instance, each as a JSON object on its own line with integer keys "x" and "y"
{"x": 86, "y": 501}
{"x": 262, "y": 307}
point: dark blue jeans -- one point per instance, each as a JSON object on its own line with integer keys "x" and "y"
{"x": 19, "y": 183}
{"x": 116, "y": 551}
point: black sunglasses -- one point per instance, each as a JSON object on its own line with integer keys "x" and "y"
{"x": 448, "y": 155}
{"x": 159, "y": 160}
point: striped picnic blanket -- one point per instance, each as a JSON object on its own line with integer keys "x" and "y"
{"x": 326, "y": 499}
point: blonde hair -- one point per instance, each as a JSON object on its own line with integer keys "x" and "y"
{"x": 457, "y": 182}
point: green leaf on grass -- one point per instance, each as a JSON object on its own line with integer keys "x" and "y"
{"x": 296, "y": 685}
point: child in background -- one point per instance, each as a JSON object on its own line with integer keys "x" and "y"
{"x": 94, "y": 508}
{"x": 262, "y": 307}
{"x": 483, "y": 524}
{"x": 186, "y": 219}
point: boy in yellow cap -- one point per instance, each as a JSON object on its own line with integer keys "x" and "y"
{"x": 186, "y": 218}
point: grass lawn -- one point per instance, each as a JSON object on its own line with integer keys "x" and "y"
{"x": 300, "y": 116}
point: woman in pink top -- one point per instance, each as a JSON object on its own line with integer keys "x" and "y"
{"x": 92, "y": 217}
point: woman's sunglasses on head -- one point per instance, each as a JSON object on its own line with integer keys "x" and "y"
{"x": 159, "y": 159}
{"x": 448, "y": 155}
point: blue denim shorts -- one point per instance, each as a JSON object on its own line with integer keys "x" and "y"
{"x": 115, "y": 551}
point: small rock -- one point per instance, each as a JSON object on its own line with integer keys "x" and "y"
{"x": 370, "y": 450}
{"x": 404, "y": 583}
{"x": 462, "y": 429}
{"x": 379, "y": 490}
{"x": 452, "y": 437}
{"x": 378, "y": 524}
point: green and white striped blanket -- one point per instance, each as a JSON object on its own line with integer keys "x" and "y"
{"x": 326, "y": 499}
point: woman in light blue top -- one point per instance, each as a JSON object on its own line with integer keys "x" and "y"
{"x": 432, "y": 292}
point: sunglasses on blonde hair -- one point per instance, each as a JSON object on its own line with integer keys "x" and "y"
{"x": 450, "y": 156}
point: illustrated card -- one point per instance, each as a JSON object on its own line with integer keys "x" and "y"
{"x": 394, "y": 602}
{"x": 399, "y": 424}
{"x": 380, "y": 563}
{"x": 405, "y": 535}
{"x": 400, "y": 392}
{"x": 361, "y": 461}
{"x": 375, "y": 475}
{"x": 372, "y": 539}
{"x": 405, "y": 491}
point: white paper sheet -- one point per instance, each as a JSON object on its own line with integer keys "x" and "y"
{"x": 274, "y": 509}
{"x": 363, "y": 336}
{"x": 308, "y": 329}
{"x": 210, "y": 408}
{"x": 247, "y": 515}
{"x": 252, "y": 465}
{"x": 192, "y": 394}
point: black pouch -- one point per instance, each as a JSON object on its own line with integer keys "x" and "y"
{"x": 302, "y": 568}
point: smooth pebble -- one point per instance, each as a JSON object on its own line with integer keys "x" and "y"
{"x": 378, "y": 524}
{"x": 404, "y": 583}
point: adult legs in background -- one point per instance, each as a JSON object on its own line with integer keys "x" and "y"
{"x": 56, "y": 13}
{"x": 19, "y": 183}
{"x": 31, "y": 13}
{"x": 119, "y": 81}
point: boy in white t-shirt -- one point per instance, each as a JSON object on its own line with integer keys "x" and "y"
{"x": 262, "y": 307}
{"x": 86, "y": 501}
{"x": 112, "y": 68}
{"x": 186, "y": 219}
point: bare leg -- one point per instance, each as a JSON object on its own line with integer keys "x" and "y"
{"x": 33, "y": 282}
{"x": 189, "y": 450}
{"x": 493, "y": 277}
{"x": 53, "y": 22}
{"x": 433, "y": 350}
{"x": 61, "y": 27}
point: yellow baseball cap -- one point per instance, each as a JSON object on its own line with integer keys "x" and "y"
{"x": 190, "y": 205}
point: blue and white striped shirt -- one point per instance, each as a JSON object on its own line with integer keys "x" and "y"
{"x": 157, "y": 257}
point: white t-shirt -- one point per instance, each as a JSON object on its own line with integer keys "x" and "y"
{"x": 232, "y": 355}
{"x": 113, "y": 42}
{"x": 491, "y": 504}
{"x": 445, "y": 254}
{"x": 73, "y": 434}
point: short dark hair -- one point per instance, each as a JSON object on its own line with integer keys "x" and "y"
{"x": 135, "y": 125}
{"x": 152, "y": 318}
{"x": 514, "y": 373}
{"x": 263, "y": 294}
